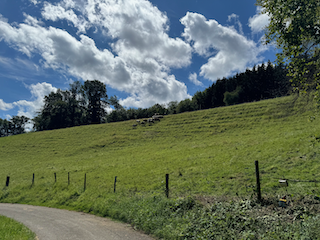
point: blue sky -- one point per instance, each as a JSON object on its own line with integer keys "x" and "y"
{"x": 146, "y": 52}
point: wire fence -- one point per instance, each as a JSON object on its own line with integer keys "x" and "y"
{"x": 255, "y": 187}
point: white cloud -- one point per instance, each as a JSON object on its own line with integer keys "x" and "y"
{"x": 5, "y": 106}
{"x": 38, "y": 92}
{"x": 143, "y": 53}
{"x": 233, "y": 51}
{"x": 30, "y": 108}
{"x": 193, "y": 77}
{"x": 259, "y": 21}
{"x": 61, "y": 12}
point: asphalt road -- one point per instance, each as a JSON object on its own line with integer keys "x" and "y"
{"x": 57, "y": 224}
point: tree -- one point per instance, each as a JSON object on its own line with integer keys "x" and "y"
{"x": 231, "y": 98}
{"x": 4, "y": 128}
{"x": 18, "y": 124}
{"x": 76, "y": 104}
{"x": 95, "y": 94}
{"x": 185, "y": 106}
{"x": 295, "y": 28}
{"x": 14, "y": 126}
{"x": 55, "y": 113}
{"x": 172, "y": 107}
{"x": 157, "y": 108}
{"x": 113, "y": 100}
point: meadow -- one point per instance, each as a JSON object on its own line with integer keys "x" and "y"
{"x": 208, "y": 154}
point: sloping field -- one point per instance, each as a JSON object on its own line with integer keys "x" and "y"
{"x": 208, "y": 152}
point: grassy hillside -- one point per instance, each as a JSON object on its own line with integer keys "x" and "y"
{"x": 209, "y": 155}
{"x": 208, "y": 152}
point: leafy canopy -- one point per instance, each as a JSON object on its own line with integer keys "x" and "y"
{"x": 295, "y": 28}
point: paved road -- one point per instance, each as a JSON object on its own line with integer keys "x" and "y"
{"x": 57, "y": 224}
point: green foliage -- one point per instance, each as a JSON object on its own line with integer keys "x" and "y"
{"x": 172, "y": 107}
{"x": 81, "y": 104}
{"x": 231, "y": 98}
{"x": 95, "y": 95}
{"x": 294, "y": 26}
{"x": 186, "y": 106}
{"x": 14, "y": 126}
{"x": 263, "y": 82}
{"x": 12, "y": 230}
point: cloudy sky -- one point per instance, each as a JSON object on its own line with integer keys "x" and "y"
{"x": 146, "y": 52}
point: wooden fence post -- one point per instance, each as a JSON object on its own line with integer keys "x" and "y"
{"x": 85, "y": 181}
{"x": 55, "y": 177}
{"x": 115, "y": 183}
{"x": 7, "y": 182}
{"x": 32, "y": 179}
{"x": 258, "y": 181}
{"x": 68, "y": 178}
{"x": 167, "y": 185}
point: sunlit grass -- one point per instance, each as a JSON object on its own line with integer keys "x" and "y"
{"x": 12, "y": 230}
{"x": 208, "y": 152}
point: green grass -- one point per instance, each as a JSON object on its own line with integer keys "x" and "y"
{"x": 12, "y": 230}
{"x": 208, "y": 153}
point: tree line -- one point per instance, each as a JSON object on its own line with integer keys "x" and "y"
{"x": 14, "y": 126}
{"x": 85, "y": 103}
{"x": 262, "y": 82}
{"x": 81, "y": 104}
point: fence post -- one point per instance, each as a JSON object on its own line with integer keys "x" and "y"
{"x": 55, "y": 177}
{"x": 32, "y": 179}
{"x": 68, "y": 178}
{"x": 7, "y": 182}
{"x": 167, "y": 185}
{"x": 85, "y": 181}
{"x": 258, "y": 181}
{"x": 115, "y": 184}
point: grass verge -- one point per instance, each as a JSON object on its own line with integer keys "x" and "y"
{"x": 13, "y": 230}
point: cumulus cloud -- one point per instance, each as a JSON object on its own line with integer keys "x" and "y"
{"x": 38, "y": 92}
{"x": 232, "y": 51}
{"x": 259, "y": 21}
{"x": 62, "y": 11}
{"x": 193, "y": 77}
{"x": 138, "y": 54}
{"x": 30, "y": 108}
{"x": 142, "y": 52}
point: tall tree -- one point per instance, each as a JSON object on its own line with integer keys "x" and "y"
{"x": 295, "y": 28}
{"x": 95, "y": 93}
{"x": 55, "y": 112}
{"x": 76, "y": 104}
{"x": 16, "y": 125}
{"x": 4, "y": 127}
